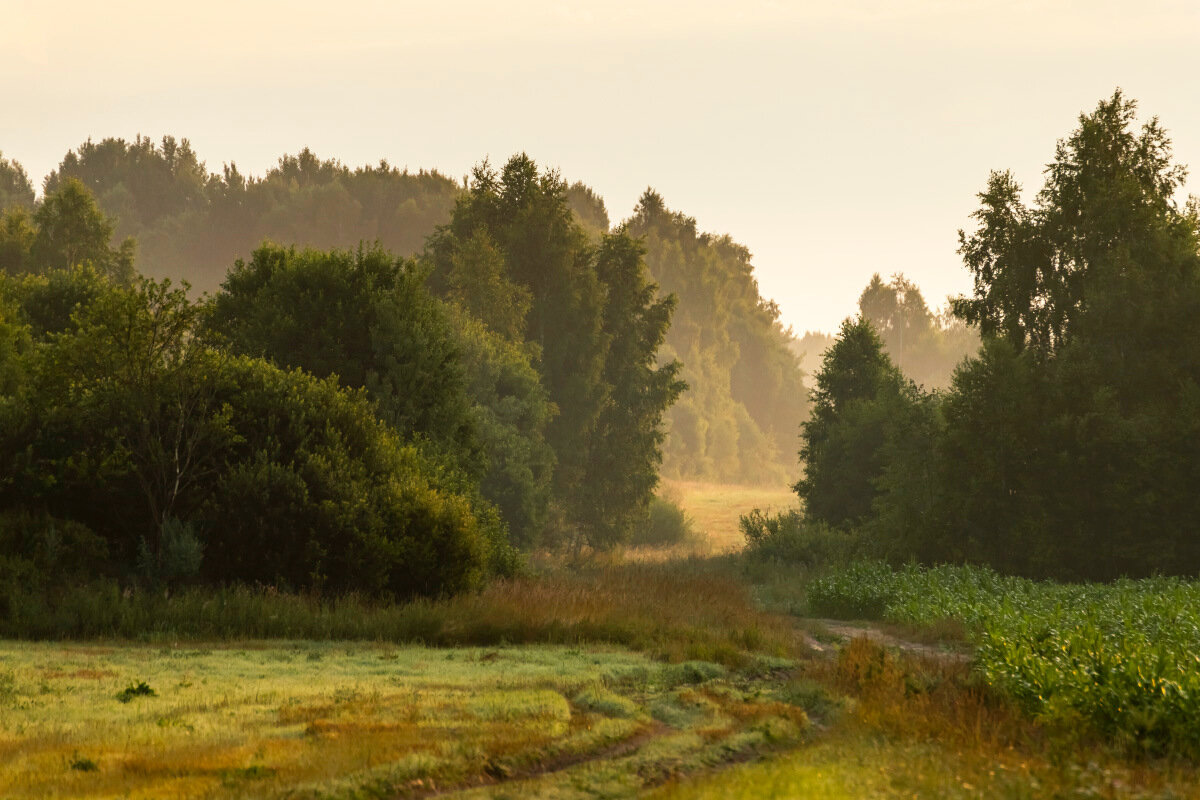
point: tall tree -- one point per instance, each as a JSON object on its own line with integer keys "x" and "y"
{"x": 72, "y": 230}
{"x": 579, "y": 325}
{"x": 1096, "y": 291}
{"x": 842, "y": 442}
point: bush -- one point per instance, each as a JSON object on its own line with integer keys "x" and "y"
{"x": 791, "y": 538}
{"x": 179, "y": 555}
{"x": 665, "y": 525}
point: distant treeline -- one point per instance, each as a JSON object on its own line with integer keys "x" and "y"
{"x": 925, "y": 345}
{"x": 1069, "y": 446}
{"x": 738, "y": 422}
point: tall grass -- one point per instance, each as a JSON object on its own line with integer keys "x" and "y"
{"x": 678, "y": 611}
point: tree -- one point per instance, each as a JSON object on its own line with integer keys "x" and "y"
{"x": 925, "y": 346}
{"x": 71, "y": 230}
{"x": 842, "y": 442}
{"x": 626, "y": 448}
{"x": 747, "y": 395}
{"x": 1107, "y": 209}
{"x": 15, "y": 189}
{"x": 510, "y": 411}
{"x": 16, "y": 241}
{"x": 1076, "y": 437}
{"x": 476, "y": 282}
{"x": 128, "y": 422}
{"x": 363, "y": 316}
{"x": 574, "y": 320}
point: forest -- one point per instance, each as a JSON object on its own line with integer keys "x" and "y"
{"x": 370, "y": 483}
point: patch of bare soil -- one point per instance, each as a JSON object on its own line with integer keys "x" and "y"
{"x": 845, "y": 631}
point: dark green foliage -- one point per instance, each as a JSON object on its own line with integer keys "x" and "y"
{"x": 435, "y": 376}
{"x": 130, "y": 423}
{"x": 509, "y": 411}
{"x": 16, "y": 241}
{"x": 135, "y": 690}
{"x": 363, "y": 316}
{"x": 315, "y": 492}
{"x": 790, "y": 538}
{"x": 625, "y": 447}
{"x": 665, "y": 525}
{"x": 1067, "y": 447}
{"x": 747, "y": 396}
{"x": 72, "y": 230}
{"x": 83, "y": 764}
{"x": 1081, "y": 432}
{"x": 67, "y": 229}
{"x": 595, "y": 326}
{"x": 192, "y": 224}
{"x": 179, "y": 554}
{"x": 843, "y": 441}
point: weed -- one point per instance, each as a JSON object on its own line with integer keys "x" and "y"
{"x": 82, "y": 764}
{"x": 140, "y": 689}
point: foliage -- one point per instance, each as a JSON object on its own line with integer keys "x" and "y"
{"x": 67, "y": 229}
{"x": 925, "y": 346}
{"x": 436, "y": 376}
{"x": 1120, "y": 657}
{"x": 1071, "y": 440}
{"x": 510, "y": 411}
{"x": 191, "y": 223}
{"x": 180, "y": 552}
{"x": 791, "y": 538}
{"x": 15, "y": 189}
{"x": 1065, "y": 447}
{"x": 665, "y": 524}
{"x": 130, "y": 419}
{"x": 747, "y": 395}
{"x": 72, "y": 230}
{"x": 363, "y": 316}
{"x": 843, "y": 440}
{"x": 595, "y": 326}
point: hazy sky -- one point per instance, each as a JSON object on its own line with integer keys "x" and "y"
{"x": 834, "y": 139}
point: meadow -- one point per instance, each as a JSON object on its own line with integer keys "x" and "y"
{"x": 684, "y": 677}
{"x": 335, "y": 720}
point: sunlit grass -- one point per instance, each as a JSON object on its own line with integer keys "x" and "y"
{"x": 715, "y": 508}
{"x": 336, "y": 719}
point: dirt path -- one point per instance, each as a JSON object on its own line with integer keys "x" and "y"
{"x": 845, "y": 631}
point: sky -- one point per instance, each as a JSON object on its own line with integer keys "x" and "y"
{"x": 834, "y": 139}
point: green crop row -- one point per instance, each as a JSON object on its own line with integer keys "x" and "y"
{"x": 1123, "y": 657}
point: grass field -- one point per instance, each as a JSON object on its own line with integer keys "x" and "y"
{"x": 331, "y": 720}
{"x": 715, "y": 508}
{"x": 611, "y": 679}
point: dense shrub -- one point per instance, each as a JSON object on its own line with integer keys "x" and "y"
{"x": 130, "y": 424}
{"x": 665, "y": 524}
{"x": 789, "y": 537}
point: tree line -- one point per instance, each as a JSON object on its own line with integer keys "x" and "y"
{"x": 1069, "y": 445}
{"x": 329, "y": 419}
{"x": 738, "y": 423}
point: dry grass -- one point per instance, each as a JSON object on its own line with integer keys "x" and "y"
{"x": 715, "y": 508}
